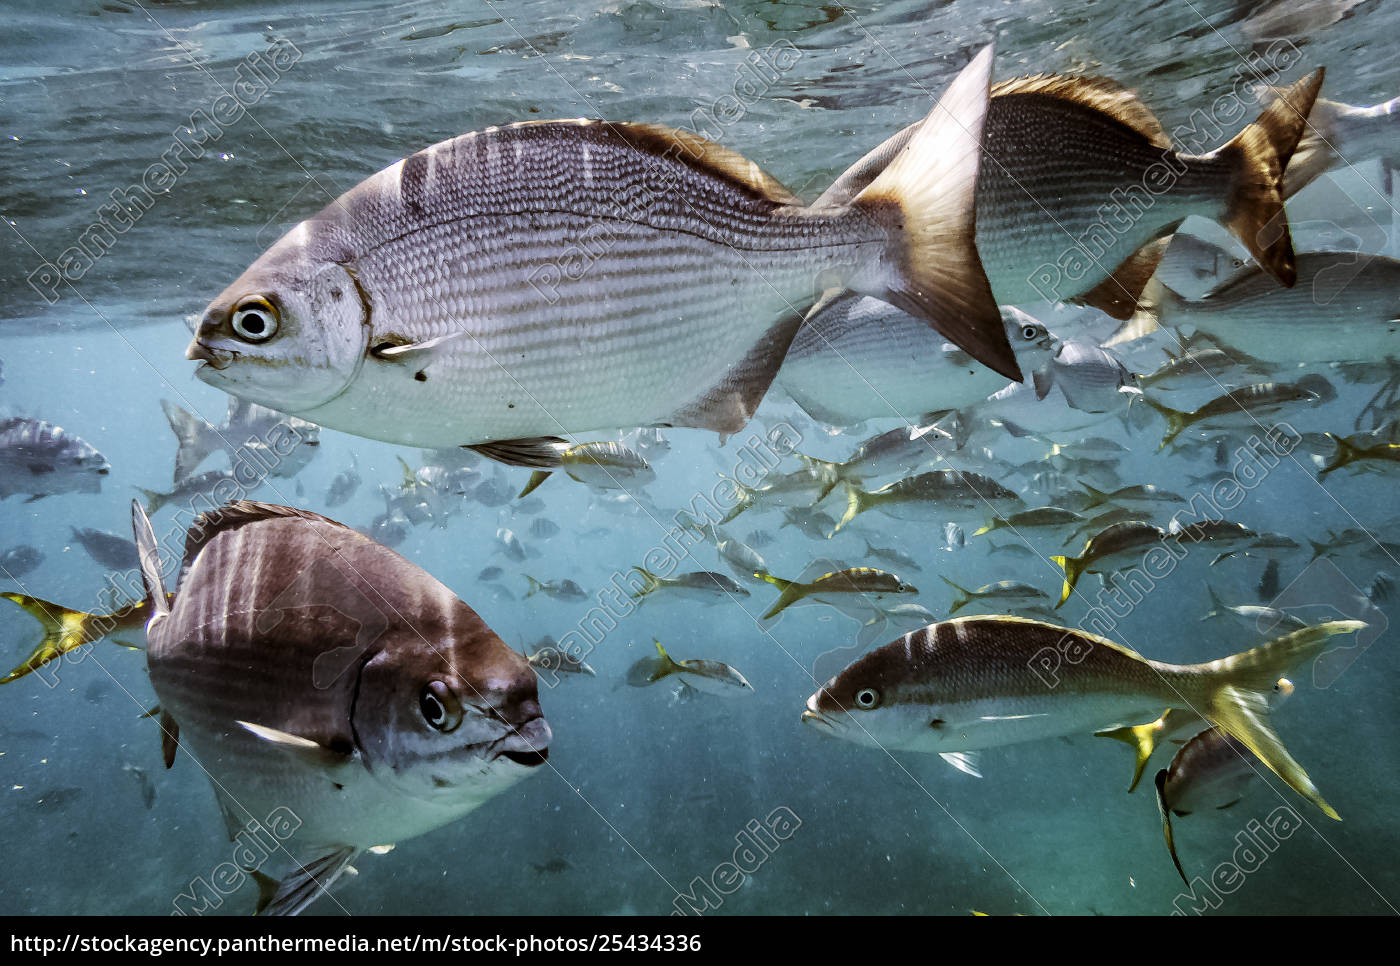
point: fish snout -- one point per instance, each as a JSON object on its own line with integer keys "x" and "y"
{"x": 199, "y": 352}
{"x": 526, "y": 744}
{"x": 813, "y": 715}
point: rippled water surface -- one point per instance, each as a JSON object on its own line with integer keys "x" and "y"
{"x": 644, "y": 792}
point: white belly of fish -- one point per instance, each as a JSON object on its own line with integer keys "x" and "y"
{"x": 989, "y": 723}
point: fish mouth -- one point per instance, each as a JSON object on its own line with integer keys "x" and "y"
{"x": 210, "y": 358}
{"x": 811, "y": 716}
{"x": 526, "y": 744}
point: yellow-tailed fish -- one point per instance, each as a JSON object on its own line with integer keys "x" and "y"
{"x": 710, "y": 677}
{"x": 829, "y": 587}
{"x": 980, "y": 682}
{"x": 1108, "y": 549}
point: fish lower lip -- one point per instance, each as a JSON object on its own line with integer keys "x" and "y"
{"x": 530, "y": 759}
{"x": 813, "y": 718}
{"x": 201, "y": 353}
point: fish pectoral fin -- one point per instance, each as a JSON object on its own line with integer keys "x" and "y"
{"x": 416, "y": 352}
{"x": 1161, "y": 783}
{"x": 169, "y": 738}
{"x": 1044, "y": 381}
{"x": 533, "y": 452}
{"x": 303, "y": 749}
{"x": 963, "y": 761}
{"x": 296, "y": 891}
{"x": 1010, "y": 717}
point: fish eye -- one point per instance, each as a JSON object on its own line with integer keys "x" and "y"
{"x": 867, "y": 699}
{"x": 255, "y": 319}
{"x": 440, "y": 706}
{"x": 1030, "y": 332}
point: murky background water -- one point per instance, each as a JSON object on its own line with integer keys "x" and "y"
{"x": 643, "y": 793}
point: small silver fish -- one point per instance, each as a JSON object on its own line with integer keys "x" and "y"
{"x": 108, "y": 549}
{"x": 707, "y": 677}
{"x": 704, "y": 585}
{"x": 41, "y": 459}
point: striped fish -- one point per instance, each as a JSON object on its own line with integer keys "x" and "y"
{"x": 509, "y": 286}
{"x": 307, "y": 668}
{"x": 981, "y": 682}
{"x": 1081, "y": 184}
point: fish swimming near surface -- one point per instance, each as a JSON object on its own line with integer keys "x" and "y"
{"x": 427, "y": 305}
{"x": 20, "y": 560}
{"x": 312, "y": 671}
{"x": 42, "y": 459}
{"x": 979, "y": 682}
{"x": 1058, "y": 146}
{"x": 108, "y": 549}
{"x": 708, "y": 677}
{"x": 274, "y": 443}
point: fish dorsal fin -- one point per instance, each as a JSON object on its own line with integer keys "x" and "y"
{"x": 696, "y": 152}
{"x": 149, "y": 553}
{"x": 211, "y": 523}
{"x": 1098, "y": 93}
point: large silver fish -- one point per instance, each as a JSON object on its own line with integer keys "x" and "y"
{"x": 858, "y": 358}
{"x": 1080, "y": 183}
{"x": 41, "y": 459}
{"x": 554, "y": 277}
{"x": 980, "y": 682}
{"x": 273, "y": 443}
{"x": 311, "y": 670}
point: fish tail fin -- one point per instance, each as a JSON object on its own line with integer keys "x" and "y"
{"x": 665, "y": 658}
{"x": 1346, "y": 453}
{"x": 1156, "y": 302}
{"x": 857, "y": 501}
{"x": 149, "y": 554}
{"x": 1142, "y": 739}
{"x": 792, "y": 592}
{"x": 1318, "y": 549}
{"x": 196, "y": 438}
{"x": 154, "y": 499}
{"x": 995, "y": 523}
{"x": 1217, "y": 606}
{"x": 649, "y": 582}
{"x": 1177, "y": 421}
{"x": 1098, "y": 496}
{"x": 64, "y": 630}
{"x": 535, "y": 586}
{"x": 825, "y": 470}
{"x": 1073, "y": 568}
{"x": 1254, "y": 207}
{"x": 927, "y": 197}
{"x": 1161, "y": 782}
{"x": 961, "y": 596}
{"x": 1237, "y": 700}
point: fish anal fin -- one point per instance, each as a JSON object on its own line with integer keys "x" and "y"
{"x": 1117, "y": 295}
{"x": 169, "y": 738}
{"x": 727, "y": 406}
{"x": 299, "y": 889}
